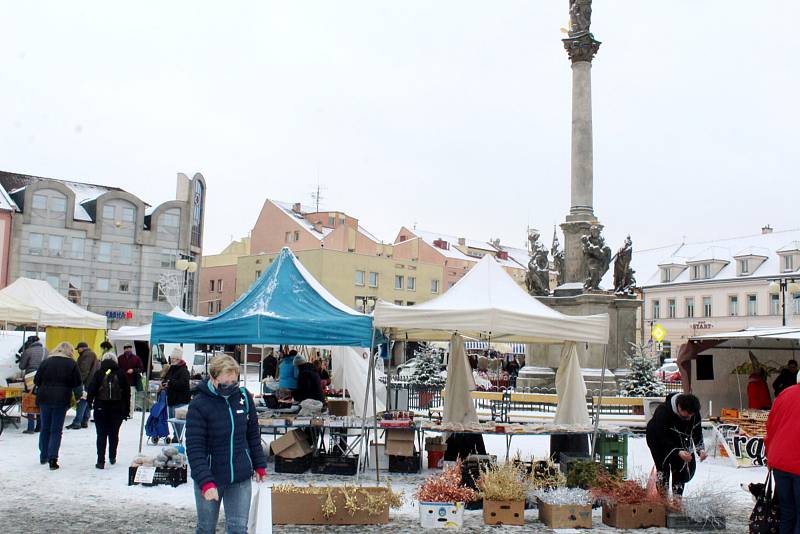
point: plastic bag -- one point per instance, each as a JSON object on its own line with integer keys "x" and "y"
{"x": 260, "y": 519}
{"x": 310, "y": 407}
{"x": 652, "y": 485}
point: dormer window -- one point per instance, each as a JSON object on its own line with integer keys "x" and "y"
{"x": 666, "y": 275}
{"x": 788, "y": 262}
{"x": 744, "y": 267}
{"x": 701, "y": 271}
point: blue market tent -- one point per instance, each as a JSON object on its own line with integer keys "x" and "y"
{"x": 286, "y": 305}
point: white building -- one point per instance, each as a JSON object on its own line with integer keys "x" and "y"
{"x": 721, "y": 286}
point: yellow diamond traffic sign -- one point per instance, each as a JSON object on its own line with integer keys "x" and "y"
{"x": 658, "y": 333}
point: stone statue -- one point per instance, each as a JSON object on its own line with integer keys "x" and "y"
{"x": 558, "y": 259}
{"x": 537, "y": 279}
{"x": 580, "y": 17}
{"x": 624, "y": 281}
{"x": 597, "y": 256}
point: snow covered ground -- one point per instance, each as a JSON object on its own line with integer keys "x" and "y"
{"x": 79, "y": 498}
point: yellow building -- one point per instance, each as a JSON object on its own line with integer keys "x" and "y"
{"x": 357, "y": 280}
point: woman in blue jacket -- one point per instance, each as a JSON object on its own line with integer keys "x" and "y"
{"x": 288, "y": 373}
{"x": 223, "y": 445}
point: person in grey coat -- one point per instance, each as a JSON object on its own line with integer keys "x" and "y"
{"x": 31, "y": 358}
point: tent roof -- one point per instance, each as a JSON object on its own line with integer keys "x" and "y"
{"x": 488, "y": 303}
{"x": 53, "y": 308}
{"x": 286, "y": 305}
{"x": 786, "y": 337}
{"x": 15, "y": 311}
{"x": 142, "y": 333}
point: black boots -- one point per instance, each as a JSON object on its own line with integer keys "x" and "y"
{"x": 53, "y": 465}
{"x": 100, "y": 465}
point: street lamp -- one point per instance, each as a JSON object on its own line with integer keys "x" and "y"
{"x": 781, "y": 286}
{"x": 186, "y": 266}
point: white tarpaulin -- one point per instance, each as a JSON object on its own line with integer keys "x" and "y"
{"x": 349, "y": 370}
{"x": 17, "y": 312}
{"x": 488, "y": 303}
{"x": 142, "y": 333}
{"x": 54, "y": 309}
{"x": 571, "y": 389}
{"x": 458, "y": 405}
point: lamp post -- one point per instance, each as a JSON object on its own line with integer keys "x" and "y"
{"x": 186, "y": 266}
{"x": 781, "y": 286}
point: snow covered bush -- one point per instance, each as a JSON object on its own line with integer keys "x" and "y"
{"x": 642, "y": 380}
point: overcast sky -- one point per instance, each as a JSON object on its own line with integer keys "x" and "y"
{"x": 451, "y": 114}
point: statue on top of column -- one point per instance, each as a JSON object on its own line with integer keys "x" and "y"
{"x": 624, "y": 281}
{"x": 580, "y": 17}
{"x": 537, "y": 279}
{"x": 597, "y": 256}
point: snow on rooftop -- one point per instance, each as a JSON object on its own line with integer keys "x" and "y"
{"x": 6, "y": 203}
{"x": 286, "y": 207}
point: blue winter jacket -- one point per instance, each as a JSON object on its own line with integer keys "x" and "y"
{"x": 223, "y": 442}
{"x": 287, "y": 374}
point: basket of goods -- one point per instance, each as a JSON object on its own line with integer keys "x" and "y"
{"x": 441, "y": 499}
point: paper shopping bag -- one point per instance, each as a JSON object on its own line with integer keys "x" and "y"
{"x": 260, "y": 520}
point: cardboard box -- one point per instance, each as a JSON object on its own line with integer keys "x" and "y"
{"x": 643, "y": 515}
{"x": 340, "y": 407}
{"x": 306, "y": 508}
{"x": 400, "y": 442}
{"x": 441, "y": 514}
{"x": 293, "y": 444}
{"x": 565, "y": 515}
{"x": 504, "y": 512}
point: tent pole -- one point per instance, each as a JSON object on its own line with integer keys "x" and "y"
{"x": 600, "y": 398}
{"x": 245, "y": 367}
{"x": 375, "y": 406}
{"x": 364, "y": 435}
{"x": 144, "y": 400}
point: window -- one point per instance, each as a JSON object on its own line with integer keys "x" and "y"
{"x": 360, "y": 278}
{"x": 409, "y": 303}
{"x": 219, "y": 285}
{"x": 701, "y": 271}
{"x": 752, "y": 310}
{"x": 128, "y": 214}
{"x": 35, "y": 243}
{"x": 341, "y": 221}
{"x": 706, "y": 270}
{"x": 744, "y": 267}
{"x": 733, "y": 305}
{"x": 774, "y": 304}
{"x": 172, "y": 220}
{"x": 671, "y": 308}
{"x": 373, "y": 279}
{"x": 297, "y": 235}
{"x": 288, "y": 237}
{"x": 690, "y": 307}
{"x": 210, "y": 307}
{"x": 39, "y": 201}
{"x": 796, "y": 304}
{"x": 398, "y": 302}
{"x": 331, "y": 220}
{"x": 103, "y": 251}
{"x": 411, "y": 285}
{"x": 53, "y": 280}
{"x": 219, "y": 306}
{"x": 258, "y": 275}
{"x": 102, "y": 284}
{"x": 124, "y": 286}
{"x": 158, "y": 296}
{"x": 398, "y": 281}
{"x": 707, "y": 307}
{"x": 665, "y": 275}
{"x": 168, "y": 258}
{"x": 74, "y": 290}
{"x": 55, "y": 244}
{"x": 211, "y": 285}
{"x": 704, "y": 367}
{"x": 656, "y": 309}
{"x": 58, "y": 204}
{"x": 696, "y": 272}
{"x": 108, "y": 212}
{"x": 434, "y": 286}
{"x": 125, "y": 253}
{"x": 788, "y": 263}
{"x": 77, "y": 245}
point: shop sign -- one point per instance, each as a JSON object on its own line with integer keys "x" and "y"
{"x": 118, "y": 314}
{"x": 702, "y": 325}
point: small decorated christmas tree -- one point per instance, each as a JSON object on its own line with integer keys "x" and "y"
{"x": 642, "y": 380}
{"x": 426, "y": 372}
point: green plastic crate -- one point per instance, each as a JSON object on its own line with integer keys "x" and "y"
{"x": 611, "y": 445}
{"x": 614, "y": 464}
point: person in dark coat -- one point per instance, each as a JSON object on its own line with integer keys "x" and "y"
{"x": 132, "y": 366}
{"x": 309, "y": 384}
{"x": 674, "y": 434}
{"x": 87, "y": 365}
{"x": 56, "y": 380}
{"x": 176, "y": 382}
{"x": 109, "y": 393}
{"x": 786, "y": 378}
{"x": 31, "y": 357}
{"x": 223, "y": 445}
{"x": 270, "y": 366}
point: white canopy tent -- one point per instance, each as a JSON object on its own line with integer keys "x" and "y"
{"x": 53, "y": 309}
{"x": 17, "y": 312}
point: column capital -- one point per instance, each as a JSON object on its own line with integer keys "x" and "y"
{"x": 581, "y": 47}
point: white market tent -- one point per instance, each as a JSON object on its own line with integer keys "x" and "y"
{"x": 142, "y": 333}
{"x": 53, "y": 309}
{"x": 488, "y": 304}
{"x": 15, "y": 311}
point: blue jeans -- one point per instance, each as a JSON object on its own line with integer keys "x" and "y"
{"x": 235, "y": 498}
{"x": 177, "y": 428}
{"x": 787, "y": 486}
{"x": 82, "y": 413}
{"x": 53, "y": 416}
{"x": 33, "y": 422}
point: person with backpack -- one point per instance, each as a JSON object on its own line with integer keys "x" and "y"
{"x": 109, "y": 393}
{"x": 223, "y": 445}
{"x": 87, "y": 365}
{"x": 176, "y": 382}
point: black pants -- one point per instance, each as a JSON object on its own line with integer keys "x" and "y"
{"x": 680, "y": 471}
{"x": 107, "y": 423}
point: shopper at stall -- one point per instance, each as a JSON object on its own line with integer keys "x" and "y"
{"x": 674, "y": 434}
{"x": 269, "y": 366}
{"x": 288, "y": 372}
{"x": 55, "y": 381}
{"x": 87, "y": 365}
{"x": 109, "y": 393}
{"x": 223, "y": 445}
{"x": 786, "y": 378}
{"x": 309, "y": 385}
{"x": 783, "y": 432}
{"x": 176, "y": 382}
{"x": 132, "y": 366}
{"x": 324, "y": 376}
{"x": 33, "y": 353}
{"x": 757, "y": 391}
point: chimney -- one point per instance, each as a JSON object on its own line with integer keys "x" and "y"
{"x": 296, "y": 208}
{"x": 462, "y": 241}
{"x": 766, "y": 230}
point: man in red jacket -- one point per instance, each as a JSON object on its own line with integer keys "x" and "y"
{"x": 783, "y": 435}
